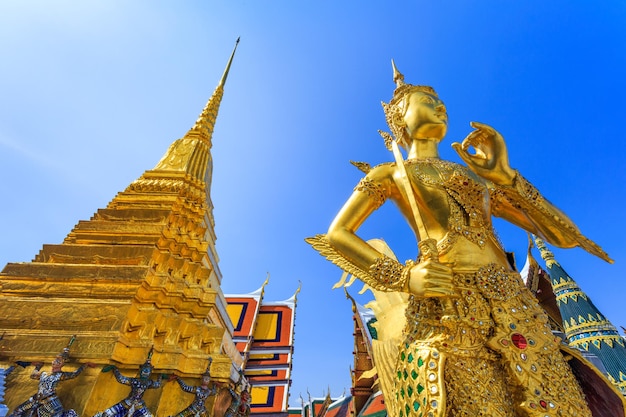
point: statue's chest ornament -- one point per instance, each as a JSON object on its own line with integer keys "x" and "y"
{"x": 467, "y": 201}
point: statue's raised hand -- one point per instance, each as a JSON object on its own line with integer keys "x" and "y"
{"x": 490, "y": 159}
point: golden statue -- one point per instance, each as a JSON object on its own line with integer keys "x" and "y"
{"x": 475, "y": 342}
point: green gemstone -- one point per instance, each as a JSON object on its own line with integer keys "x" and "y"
{"x": 414, "y": 374}
{"x": 410, "y": 358}
{"x": 407, "y": 409}
{"x": 399, "y": 375}
{"x": 416, "y": 405}
{"x": 420, "y": 362}
{"x": 402, "y": 356}
{"x": 409, "y": 391}
{"x": 401, "y": 413}
{"x": 402, "y": 392}
{"x": 406, "y": 374}
{"x": 420, "y": 388}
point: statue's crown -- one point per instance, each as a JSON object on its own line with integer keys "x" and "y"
{"x": 207, "y": 373}
{"x": 403, "y": 88}
{"x": 394, "y": 112}
{"x": 65, "y": 354}
{"x": 148, "y": 363}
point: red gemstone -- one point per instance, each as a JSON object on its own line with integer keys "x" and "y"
{"x": 519, "y": 341}
{"x": 543, "y": 403}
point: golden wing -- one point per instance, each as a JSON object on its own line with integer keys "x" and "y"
{"x": 321, "y": 244}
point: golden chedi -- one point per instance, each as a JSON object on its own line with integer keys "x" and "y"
{"x": 141, "y": 274}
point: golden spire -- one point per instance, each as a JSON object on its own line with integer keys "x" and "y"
{"x": 206, "y": 121}
{"x": 190, "y": 154}
{"x": 546, "y": 253}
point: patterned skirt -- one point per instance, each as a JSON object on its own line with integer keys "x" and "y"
{"x": 487, "y": 352}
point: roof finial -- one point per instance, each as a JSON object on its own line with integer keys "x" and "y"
{"x": 225, "y": 75}
{"x": 295, "y": 295}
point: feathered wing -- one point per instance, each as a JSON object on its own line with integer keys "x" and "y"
{"x": 389, "y": 308}
{"x": 321, "y": 244}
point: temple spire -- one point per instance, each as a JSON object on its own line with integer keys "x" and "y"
{"x": 191, "y": 153}
{"x": 206, "y": 121}
{"x": 230, "y": 61}
{"x": 585, "y": 327}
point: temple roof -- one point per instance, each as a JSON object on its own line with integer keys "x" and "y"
{"x": 537, "y": 281}
{"x": 363, "y": 373}
{"x": 375, "y": 406}
{"x": 341, "y": 407}
{"x": 264, "y": 335}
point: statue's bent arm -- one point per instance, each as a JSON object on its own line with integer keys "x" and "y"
{"x": 120, "y": 378}
{"x": 523, "y": 205}
{"x": 369, "y": 195}
{"x": 70, "y": 375}
{"x": 185, "y": 387}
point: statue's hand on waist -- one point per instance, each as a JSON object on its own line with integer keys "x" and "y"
{"x": 431, "y": 279}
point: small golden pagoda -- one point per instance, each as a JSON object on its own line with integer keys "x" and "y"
{"x": 142, "y": 273}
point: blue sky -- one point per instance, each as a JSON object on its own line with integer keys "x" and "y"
{"x": 92, "y": 94}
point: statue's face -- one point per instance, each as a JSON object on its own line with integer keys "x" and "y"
{"x": 57, "y": 364}
{"x": 145, "y": 372}
{"x": 425, "y": 116}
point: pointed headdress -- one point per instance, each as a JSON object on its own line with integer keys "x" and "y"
{"x": 403, "y": 88}
{"x": 148, "y": 363}
{"x": 394, "y": 111}
{"x": 207, "y": 373}
{"x": 65, "y": 354}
